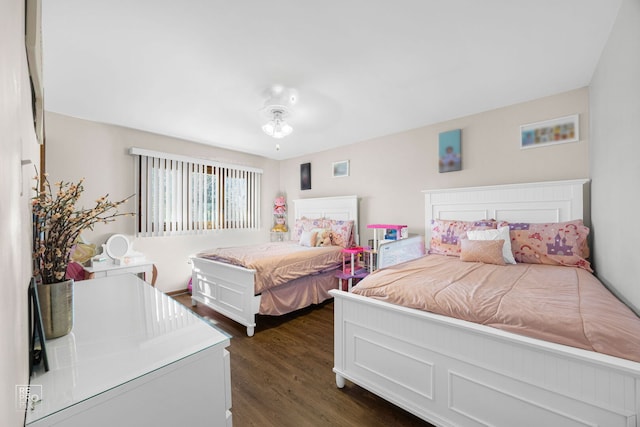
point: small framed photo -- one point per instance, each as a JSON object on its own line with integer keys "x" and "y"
{"x": 550, "y": 132}
{"x": 340, "y": 169}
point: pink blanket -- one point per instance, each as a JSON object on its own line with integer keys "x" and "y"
{"x": 278, "y": 262}
{"x": 564, "y": 305}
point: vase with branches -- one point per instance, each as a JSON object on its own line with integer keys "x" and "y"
{"x": 58, "y": 222}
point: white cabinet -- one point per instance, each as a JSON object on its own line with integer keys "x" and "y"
{"x": 134, "y": 357}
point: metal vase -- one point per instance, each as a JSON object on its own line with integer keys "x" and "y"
{"x": 56, "y": 307}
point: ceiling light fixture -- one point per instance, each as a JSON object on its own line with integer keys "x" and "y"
{"x": 278, "y": 107}
{"x": 277, "y": 127}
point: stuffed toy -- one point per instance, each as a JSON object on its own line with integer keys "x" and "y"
{"x": 279, "y": 206}
{"x": 323, "y": 238}
{"x": 279, "y": 211}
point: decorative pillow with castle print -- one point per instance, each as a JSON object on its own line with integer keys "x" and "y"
{"x": 554, "y": 243}
{"x": 446, "y": 234}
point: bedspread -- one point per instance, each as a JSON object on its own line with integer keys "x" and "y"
{"x": 278, "y": 262}
{"x": 564, "y": 305}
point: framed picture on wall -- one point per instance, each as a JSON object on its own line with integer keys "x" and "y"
{"x": 33, "y": 42}
{"x": 449, "y": 151}
{"x": 340, "y": 169}
{"x": 305, "y": 176}
{"x": 550, "y": 132}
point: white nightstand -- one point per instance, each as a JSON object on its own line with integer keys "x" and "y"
{"x": 109, "y": 268}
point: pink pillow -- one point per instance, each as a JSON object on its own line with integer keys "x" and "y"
{"x": 485, "y": 251}
{"x": 553, "y": 243}
{"x": 501, "y": 233}
{"x": 75, "y": 271}
{"x": 446, "y": 234}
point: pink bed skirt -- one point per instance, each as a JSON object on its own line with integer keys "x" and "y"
{"x": 298, "y": 293}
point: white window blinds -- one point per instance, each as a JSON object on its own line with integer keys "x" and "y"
{"x": 180, "y": 195}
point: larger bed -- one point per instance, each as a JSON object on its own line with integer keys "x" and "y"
{"x": 252, "y": 279}
{"x": 454, "y": 372}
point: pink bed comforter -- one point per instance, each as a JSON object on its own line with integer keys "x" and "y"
{"x": 278, "y": 262}
{"x": 564, "y": 305}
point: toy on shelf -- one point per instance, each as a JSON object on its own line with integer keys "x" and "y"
{"x": 279, "y": 214}
{"x": 388, "y": 232}
{"x": 352, "y": 271}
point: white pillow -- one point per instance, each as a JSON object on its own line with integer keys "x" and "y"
{"x": 502, "y": 233}
{"x": 308, "y": 238}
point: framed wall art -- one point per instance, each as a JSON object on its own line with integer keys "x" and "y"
{"x": 450, "y": 151}
{"x": 305, "y": 176}
{"x": 340, "y": 169}
{"x": 550, "y": 132}
{"x": 33, "y": 42}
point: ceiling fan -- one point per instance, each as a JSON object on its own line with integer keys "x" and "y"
{"x": 277, "y": 107}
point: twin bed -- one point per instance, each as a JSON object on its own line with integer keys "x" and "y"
{"x": 278, "y": 277}
{"x": 457, "y": 372}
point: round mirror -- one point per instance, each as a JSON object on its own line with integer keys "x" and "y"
{"x": 117, "y": 246}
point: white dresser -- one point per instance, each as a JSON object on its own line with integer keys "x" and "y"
{"x": 134, "y": 357}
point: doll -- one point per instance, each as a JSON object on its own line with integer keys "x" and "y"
{"x": 279, "y": 214}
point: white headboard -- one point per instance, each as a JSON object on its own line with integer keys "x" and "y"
{"x": 339, "y": 207}
{"x": 551, "y": 201}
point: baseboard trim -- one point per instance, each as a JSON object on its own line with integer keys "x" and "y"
{"x": 178, "y": 292}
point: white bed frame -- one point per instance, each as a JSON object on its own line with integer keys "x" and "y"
{"x": 230, "y": 290}
{"x": 456, "y": 373}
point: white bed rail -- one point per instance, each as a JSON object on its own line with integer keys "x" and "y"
{"x": 397, "y": 251}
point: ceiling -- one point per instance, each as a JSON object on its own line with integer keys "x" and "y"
{"x": 200, "y": 69}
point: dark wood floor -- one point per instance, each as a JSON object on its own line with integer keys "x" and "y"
{"x": 282, "y": 376}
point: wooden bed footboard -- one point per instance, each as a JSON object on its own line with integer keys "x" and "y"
{"x": 456, "y": 373}
{"x": 227, "y": 289}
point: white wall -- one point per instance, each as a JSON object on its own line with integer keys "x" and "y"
{"x": 98, "y": 152}
{"x": 615, "y": 148}
{"x": 17, "y": 142}
{"x": 389, "y": 173}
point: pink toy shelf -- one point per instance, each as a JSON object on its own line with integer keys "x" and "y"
{"x": 351, "y": 268}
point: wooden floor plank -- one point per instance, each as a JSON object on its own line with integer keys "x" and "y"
{"x": 282, "y": 376}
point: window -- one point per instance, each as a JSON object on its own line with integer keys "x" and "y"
{"x": 179, "y": 195}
